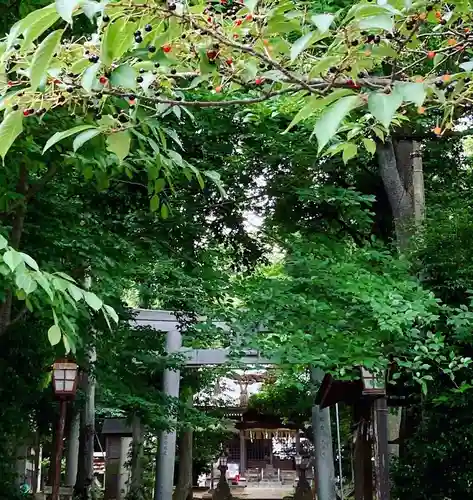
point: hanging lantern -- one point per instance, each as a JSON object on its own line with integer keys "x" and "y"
{"x": 65, "y": 378}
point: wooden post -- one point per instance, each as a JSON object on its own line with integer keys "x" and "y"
{"x": 242, "y": 453}
{"x": 59, "y": 444}
{"x": 363, "y": 451}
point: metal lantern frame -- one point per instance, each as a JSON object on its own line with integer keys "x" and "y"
{"x": 374, "y": 384}
{"x": 223, "y": 460}
{"x": 65, "y": 378}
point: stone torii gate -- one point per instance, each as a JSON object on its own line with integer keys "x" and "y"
{"x": 165, "y": 321}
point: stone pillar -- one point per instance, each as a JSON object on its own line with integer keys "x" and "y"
{"x": 124, "y": 470}
{"x": 242, "y": 453}
{"x": 167, "y": 441}
{"x": 382, "y": 455}
{"x": 323, "y": 447}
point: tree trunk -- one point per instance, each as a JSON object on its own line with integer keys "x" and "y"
{"x": 135, "y": 492}
{"x": 72, "y": 457}
{"x": 85, "y": 473}
{"x": 400, "y": 166}
{"x": 184, "y": 482}
{"x": 38, "y": 452}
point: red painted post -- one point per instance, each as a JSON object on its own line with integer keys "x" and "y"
{"x": 59, "y": 445}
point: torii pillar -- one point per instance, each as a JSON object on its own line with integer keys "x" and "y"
{"x": 167, "y": 441}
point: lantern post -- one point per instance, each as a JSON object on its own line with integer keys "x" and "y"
{"x": 222, "y": 491}
{"x": 65, "y": 387}
{"x": 303, "y": 489}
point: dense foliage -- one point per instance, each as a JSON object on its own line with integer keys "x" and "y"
{"x": 164, "y": 156}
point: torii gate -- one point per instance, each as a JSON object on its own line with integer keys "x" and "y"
{"x": 166, "y": 321}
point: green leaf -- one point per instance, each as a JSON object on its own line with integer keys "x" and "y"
{"x": 65, "y": 8}
{"x": 25, "y": 282}
{"x": 384, "y": 106}
{"x": 216, "y": 179}
{"x": 411, "y": 92}
{"x": 75, "y": 292}
{"x": 111, "y": 312}
{"x": 28, "y": 304}
{"x": 315, "y": 102}
{"x": 119, "y": 143}
{"x": 79, "y": 66}
{"x": 154, "y": 203}
{"x": 12, "y": 259}
{"x": 438, "y": 58}
{"x": 250, "y": 5}
{"x": 124, "y": 76}
{"x": 85, "y": 136}
{"x": 44, "y": 284}
{"x": 322, "y": 65}
{"x": 164, "y": 211}
{"x": 328, "y": 124}
{"x": 173, "y": 135}
{"x": 3, "y": 242}
{"x": 370, "y": 145}
{"x": 37, "y": 23}
{"x": 54, "y": 335}
{"x": 43, "y": 56}
{"x": 300, "y": 45}
{"x": 10, "y": 128}
{"x": 14, "y": 33}
{"x": 360, "y": 11}
{"x": 92, "y": 300}
{"x": 29, "y": 261}
{"x": 322, "y": 21}
{"x": 118, "y": 38}
{"x": 148, "y": 79}
{"x": 159, "y": 185}
{"x": 59, "y": 136}
{"x": 89, "y": 78}
{"x": 349, "y": 152}
{"x": 67, "y": 346}
{"x": 383, "y": 21}
{"x": 91, "y": 9}
{"x": 312, "y": 104}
